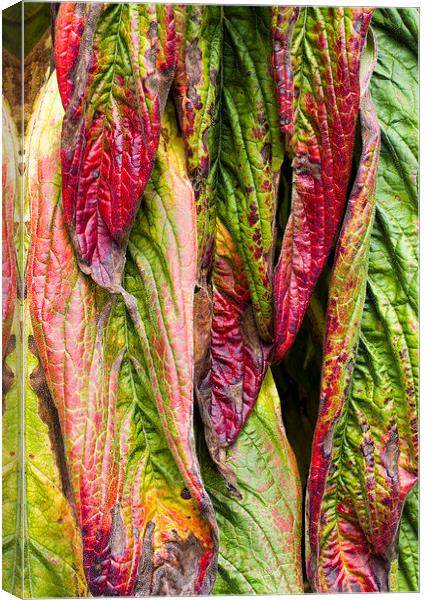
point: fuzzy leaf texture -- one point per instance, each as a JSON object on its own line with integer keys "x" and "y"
{"x": 260, "y": 533}
{"x": 316, "y": 64}
{"x": 365, "y": 446}
{"x": 115, "y": 67}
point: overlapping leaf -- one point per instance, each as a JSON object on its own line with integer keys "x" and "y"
{"x": 321, "y": 74}
{"x": 249, "y": 160}
{"x": 132, "y": 526}
{"x": 231, "y": 378}
{"x": 365, "y": 448}
{"x": 251, "y": 151}
{"x": 39, "y": 525}
{"x": 197, "y": 89}
{"x": 116, "y": 66}
{"x": 68, "y": 330}
{"x": 161, "y": 277}
{"x": 260, "y": 533}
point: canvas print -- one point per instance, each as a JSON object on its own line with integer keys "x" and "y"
{"x": 210, "y": 299}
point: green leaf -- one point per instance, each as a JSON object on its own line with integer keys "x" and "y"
{"x": 197, "y": 86}
{"x": 42, "y": 548}
{"x": 260, "y": 533}
{"x": 408, "y": 558}
{"x": 251, "y": 151}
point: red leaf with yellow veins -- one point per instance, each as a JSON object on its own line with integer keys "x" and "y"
{"x": 121, "y": 78}
{"x": 323, "y": 79}
{"x": 10, "y": 191}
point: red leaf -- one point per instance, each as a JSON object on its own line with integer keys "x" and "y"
{"x": 231, "y": 378}
{"x": 326, "y": 50}
{"x": 121, "y": 79}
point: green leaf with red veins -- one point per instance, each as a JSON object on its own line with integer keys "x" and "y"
{"x": 121, "y": 78}
{"x": 260, "y": 533}
{"x": 196, "y": 87}
{"x": 321, "y": 75}
{"x": 366, "y": 441}
{"x": 10, "y": 197}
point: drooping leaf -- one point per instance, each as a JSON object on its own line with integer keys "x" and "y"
{"x": 196, "y": 85}
{"x": 322, "y": 76}
{"x": 42, "y": 549}
{"x": 233, "y": 357}
{"x": 231, "y": 378}
{"x": 135, "y": 533}
{"x": 118, "y": 63}
{"x": 365, "y": 447}
{"x": 251, "y": 151}
{"x": 160, "y": 280}
{"x": 69, "y": 320}
{"x": 260, "y": 533}
{"x": 10, "y": 196}
{"x": 408, "y": 559}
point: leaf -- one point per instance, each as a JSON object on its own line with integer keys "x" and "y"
{"x": 323, "y": 78}
{"x": 120, "y": 82}
{"x": 251, "y": 152}
{"x": 10, "y": 195}
{"x": 231, "y": 379}
{"x": 408, "y": 559}
{"x": 365, "y": 447}
{"x": 196, "y": 90}
{"x": 69, "y": 317}
{"x": 159, "y": 284}
{"x": 124, "y": 518}
{"x": 234, "y": 315}
{"x": 260, "y": 533}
